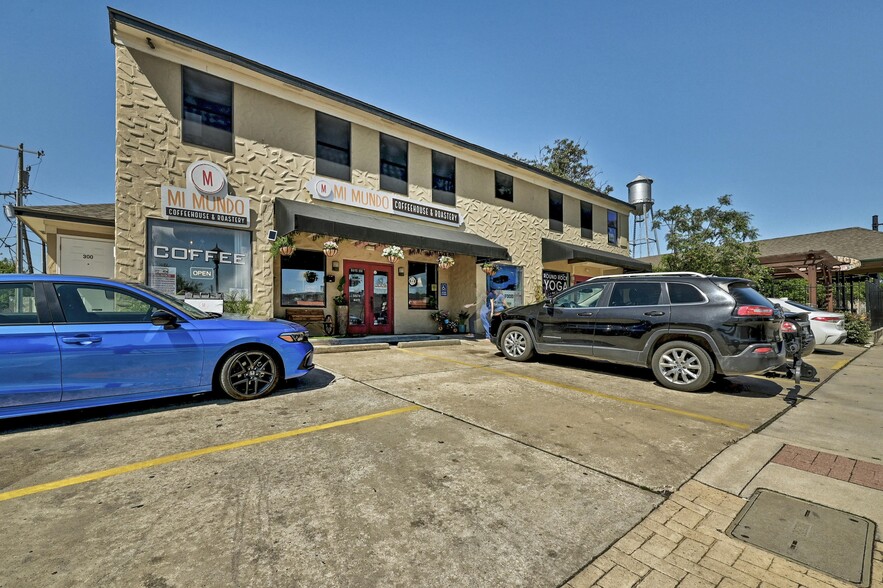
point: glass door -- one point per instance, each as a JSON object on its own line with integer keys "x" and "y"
{"x": 370, "y": 295}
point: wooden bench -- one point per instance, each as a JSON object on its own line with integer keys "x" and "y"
{"x": 307, "y": 316}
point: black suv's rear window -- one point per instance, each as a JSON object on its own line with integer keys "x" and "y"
{"x": 684, "y": 294}
{"x": 745, "y": 294}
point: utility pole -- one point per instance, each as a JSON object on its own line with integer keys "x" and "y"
{"x": 21, "y": 236}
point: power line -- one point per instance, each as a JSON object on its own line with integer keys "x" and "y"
{"x": 56, "y": 197}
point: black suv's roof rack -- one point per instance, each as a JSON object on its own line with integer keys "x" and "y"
{"x": 643, "y": 275}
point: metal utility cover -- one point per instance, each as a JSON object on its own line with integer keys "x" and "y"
{"x": 831, "y": 541}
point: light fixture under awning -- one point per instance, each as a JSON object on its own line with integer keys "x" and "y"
{"x": 557, "y": 251}
{"x": 325, "y": 220}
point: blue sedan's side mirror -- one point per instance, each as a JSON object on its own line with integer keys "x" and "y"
{"x": 163, "y": 318}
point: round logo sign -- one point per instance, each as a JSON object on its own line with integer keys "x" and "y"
{"x": 412, "y": 281}
{"x": 323, "y": 189}
{"x": 207, "y": 178}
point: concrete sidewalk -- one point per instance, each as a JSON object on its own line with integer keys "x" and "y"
{"x": 828, "y": 449}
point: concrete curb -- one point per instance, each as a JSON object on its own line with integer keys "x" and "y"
{"x": 436, "y": 343}
{"x": 353, "y": 347}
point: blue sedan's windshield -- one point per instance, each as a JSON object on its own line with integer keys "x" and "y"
{"x": 178, "y": 305}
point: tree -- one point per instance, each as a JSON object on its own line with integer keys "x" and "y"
{"x": 7, "y": 266}
{"x": 715, "y": 240}
{"x": 568, "y": 159}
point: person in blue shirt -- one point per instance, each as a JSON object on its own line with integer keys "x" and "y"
{"x": 494, "y": 303}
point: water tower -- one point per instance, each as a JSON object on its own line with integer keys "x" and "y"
{"x": 643, "y": 237}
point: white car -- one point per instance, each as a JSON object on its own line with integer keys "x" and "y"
{"x": 827, "y": 327}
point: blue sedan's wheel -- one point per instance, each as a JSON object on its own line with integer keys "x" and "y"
{"x": 249, "y": 374}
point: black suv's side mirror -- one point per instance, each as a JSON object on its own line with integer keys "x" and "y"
{"x": 164, "y": 318}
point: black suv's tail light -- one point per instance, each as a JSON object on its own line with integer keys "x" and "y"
{"x": 753, "y": 310}
{"x": 763, "y": 350}
{"x": 788, "y": 327}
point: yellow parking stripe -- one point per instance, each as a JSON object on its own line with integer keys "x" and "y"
{"x": 195, "y": 453}
{"x": 641, "y": 403}
{"x": 841, "y": 364}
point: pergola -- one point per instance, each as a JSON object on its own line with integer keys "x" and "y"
{"x": 812, "y": 266}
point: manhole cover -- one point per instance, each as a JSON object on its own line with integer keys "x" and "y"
{"x": 831, "y": 541}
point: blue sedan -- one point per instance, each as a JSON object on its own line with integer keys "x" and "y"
{"x": 70, "y": 342}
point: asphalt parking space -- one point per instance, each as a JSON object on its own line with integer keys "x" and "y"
{"x": 417, "y": 498}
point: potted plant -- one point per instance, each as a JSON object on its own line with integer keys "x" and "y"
{"x": 283, "y": 245}
{"x": 445, "y": 262}
{"x": 310, "y": 277}
{"x": 490, "y": 268}
{"x": 393, "y": 253}
{"x": 443, "y": 322}
{"x": 330, "y": 248}
{"x": 342, "y": 309}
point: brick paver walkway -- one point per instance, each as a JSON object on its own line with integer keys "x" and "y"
{"x": 682, "y": 543}
{"x": 863, "y": 473}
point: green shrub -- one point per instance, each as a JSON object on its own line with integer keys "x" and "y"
{"x": 857, "y": 329}
{"x": 235, "y": 304}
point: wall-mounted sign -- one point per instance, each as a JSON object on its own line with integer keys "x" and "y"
{"x": 444, "y": 288}
{"x": 328, "y": 190}
{"x": 205, "y": 199}
{"x": 554, "y": 282}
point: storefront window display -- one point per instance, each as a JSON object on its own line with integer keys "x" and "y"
{"x": 422, "y": 286}
{"x": 303, "y": 279}
{"x": 509, "y": 279}
{"x": 191, "y": 259}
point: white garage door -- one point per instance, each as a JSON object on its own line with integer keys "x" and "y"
{"x": 82, "y": 256}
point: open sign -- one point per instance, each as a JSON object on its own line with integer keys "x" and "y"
{"x": 202, "y": 273}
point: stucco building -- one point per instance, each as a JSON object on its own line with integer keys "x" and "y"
{"x": 217, "y": 154}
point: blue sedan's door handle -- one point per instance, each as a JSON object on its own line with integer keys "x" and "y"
{"x": 81, "y": 340}
{"x": 654, "y": 313}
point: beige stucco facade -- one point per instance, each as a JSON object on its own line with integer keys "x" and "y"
{"x": 274, "y": 158}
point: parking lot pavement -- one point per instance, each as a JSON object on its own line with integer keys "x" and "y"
{"x": 426, "y": 467}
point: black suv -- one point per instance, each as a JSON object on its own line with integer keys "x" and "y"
{"x": 684, "y": 326}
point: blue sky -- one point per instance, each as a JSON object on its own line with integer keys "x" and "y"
{"x": 777, "y": 103}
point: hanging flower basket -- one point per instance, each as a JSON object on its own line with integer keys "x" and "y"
{"x": 330, "y": 248}
{"x": 489, "y": 268}
{"x": 445, "y": 262}
{"x": 283, "y": 245}
{"x": 393, "y": 253}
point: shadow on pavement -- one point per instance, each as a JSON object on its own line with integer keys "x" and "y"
{"x": 314, "y": 380}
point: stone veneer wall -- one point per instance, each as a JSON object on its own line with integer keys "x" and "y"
{"x": 150, "y": 152}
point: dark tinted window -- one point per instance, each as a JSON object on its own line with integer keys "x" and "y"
{"x": 556, "y": 211}
{"x": 208, "y": 110}
{"x": 585, "y": 219}
{"x": 745, "y": 294}
{"x": 444, "y": 180}
{"x": 393, "y": 164}
{"x": 684, "y": 294}
{"x": 503, "y": 186}
{"x": 332, "y": 147}
{"x": 635, "y": 294}
{"x": 612, "y": 227}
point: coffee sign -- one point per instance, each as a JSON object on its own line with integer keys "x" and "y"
{"x": 205, "y": 199}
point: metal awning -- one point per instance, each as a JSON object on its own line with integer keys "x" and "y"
{"x": 325, "y": 220}
{"x": 557, "y": 251}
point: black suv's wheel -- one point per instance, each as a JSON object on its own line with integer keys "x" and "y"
{"x": 249, "y": 374}
{"x": 680, "y": 365}
{"x": 516, "y": 344}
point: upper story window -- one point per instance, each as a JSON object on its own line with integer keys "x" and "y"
{"x": 332, "y": 147}
{"x": 612, "y": 227}
{"x": 585, "y": 220}
{"x": 208, "y": 110}
{"x": 503, "y": 186}
{"x": 556, "y": 211}
{"x": 444, "y": 180}
{"x": 393, "y": 164}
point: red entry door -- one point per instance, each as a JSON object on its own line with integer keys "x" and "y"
{"x": 369, "y": 288}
